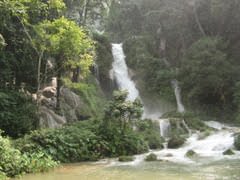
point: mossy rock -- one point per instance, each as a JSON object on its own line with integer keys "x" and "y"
{"x": 125, "y": 158}
{"x": 190, "y": 153}
{"x": 176, "y": 142}
{"x": 151, "y": 157}
{"x": 237, "y": 142}
{"x": 228, "y": 152}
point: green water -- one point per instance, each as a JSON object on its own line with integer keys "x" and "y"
{"x": 221, "y": 170}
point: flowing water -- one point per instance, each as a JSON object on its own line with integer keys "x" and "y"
{"x": 220, "y": 170}
{"x": 120, "y": 71}
{"x": 173, "y": 164}
{"x": 177, "y": 92}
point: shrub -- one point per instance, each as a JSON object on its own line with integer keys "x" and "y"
{"x": 151, "y": 157}
{"x": 17, "y": 114}
{"x": 150, "y": 132}
{"x": 71, "y": 143}
{"x": 125, "y": 158}
{"x": 175, "y": 142}
{"x": 129, "y": 143}
{"x": 13, "y": 162}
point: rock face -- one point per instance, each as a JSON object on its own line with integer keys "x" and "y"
{"x": 49, "y": 92}
{"x": 71, "y": 106}
{"x": 49, "y": 119}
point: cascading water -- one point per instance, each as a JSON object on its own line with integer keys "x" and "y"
{"x": 177, "y": 92}
{"x": 165, "y": 128}
{"x": 120, "y": 71}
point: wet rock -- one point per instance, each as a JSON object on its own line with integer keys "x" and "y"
{"x": 151, "y": 157}
{"x": 228, "y": 152}
{"x": 126, "y": 158}
{"x": 190, "y": 153}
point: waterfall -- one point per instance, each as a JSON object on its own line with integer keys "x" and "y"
{"x": 120, "y": 71}
{"x": 165, "y": 128}
{"x": 177, "y": 92}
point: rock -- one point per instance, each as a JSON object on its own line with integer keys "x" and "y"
{"x": 190, "y": 153}
{"x": 125, "y": 158}
{"x": 228, "y": 152}
{"x": 49, "y": 92}
{"x": 169, "y": 155}
{"x": 72, "y": 105}
{"x": 237, "y": 141}
{"x": 175, "y": 142}
{"x": 49, "y": 119}
{"x": 151, "y": 157}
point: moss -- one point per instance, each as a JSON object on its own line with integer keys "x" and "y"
{"x": 91, "y": 95}
{"x": 190, "y": 153}
{"x": 126, "y": 158}
{"x": 175, "y": 142}
{"x": 151, "y": 157}
{"x": 228, "y": 152}
{"x": 237, "y": 142}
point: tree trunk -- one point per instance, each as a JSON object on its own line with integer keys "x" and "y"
{"x": 76, "y": 73}
{"x": 198, "y": 21}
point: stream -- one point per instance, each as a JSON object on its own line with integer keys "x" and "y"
{"x": 219, "y": 170}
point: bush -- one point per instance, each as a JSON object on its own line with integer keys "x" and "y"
{"x": 127, "y": 143}
{"x": 17, "y": 114}
{"x": 151, "y": 157}
{"x": 126, "y": 158}
{"x": 13, "y": 162}
{"x": 237, "y": 142}
{"x": 73, "y": 143}
{"x": 175, "y": 142}
{"x": 150, "y": 132}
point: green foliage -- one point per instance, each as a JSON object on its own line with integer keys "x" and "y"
{"x": 104, "y": 56}
{"x": 207, "y": 57}
{"x": 18, "y": 114}
{"x": 122, "y": 112}
{"x": 150, "y": 132}
{"x": 73, "y": 143}
{"x": 151, "y": 157}
{"x": 237, "y": 142}
{"x": 175, "y": 142}
{"x": 91, "y": 94}
{"x": 129, "y": 143}
{"x": 141, "y": 55}
{"x": 68, "y": 43}
{"x": 125, "y": 158}
{"x": 13, "y": 162}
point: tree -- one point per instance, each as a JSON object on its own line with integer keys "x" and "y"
{"x": 122, "y": 113}
{"x": 206, "y": 73}
{"x": 69, "y": 45}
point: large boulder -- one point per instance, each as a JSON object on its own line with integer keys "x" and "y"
{"x": 49, "y": 119}
{"x": 49, "y": 92}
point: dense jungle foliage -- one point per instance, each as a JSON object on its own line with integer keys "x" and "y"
{"x": 195, "y": 42}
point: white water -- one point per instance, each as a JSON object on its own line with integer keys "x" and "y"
{"x": 209, "y": 149}
{"x": 165, "y": 128}
{"x": 120, "y": 71}
{"x": 177, "y": 92}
